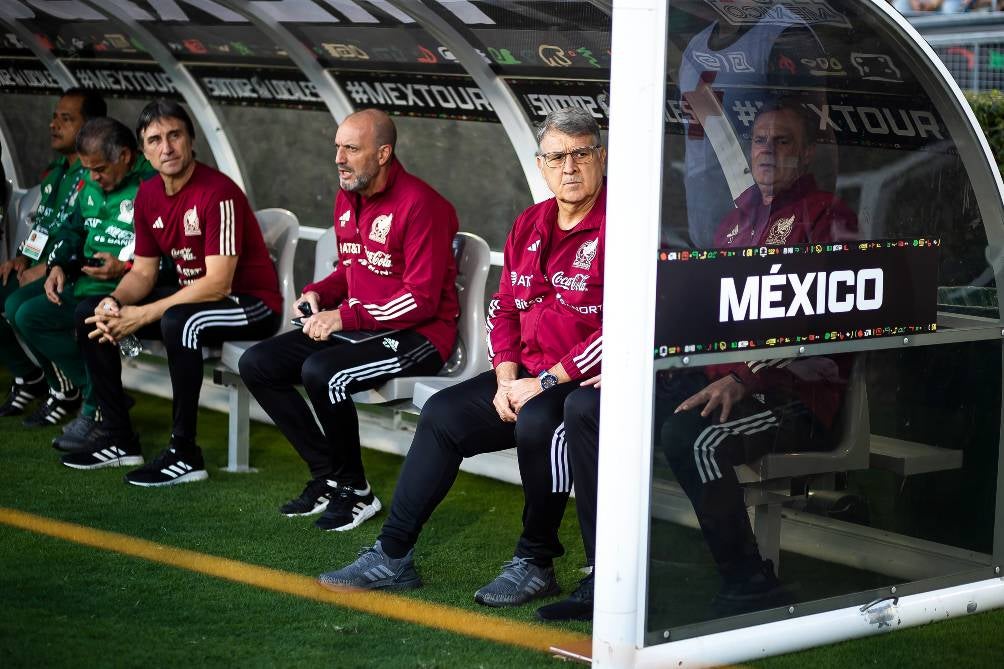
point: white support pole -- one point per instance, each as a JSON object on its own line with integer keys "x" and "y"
{"x": 638, "y": 83}
{"x": 203, "y": 113}
{"x": 517, "y": 125}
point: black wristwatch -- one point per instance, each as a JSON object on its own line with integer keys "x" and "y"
{"x": 547, "y": 380}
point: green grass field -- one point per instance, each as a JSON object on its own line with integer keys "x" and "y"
{"x": 65, "y": 604}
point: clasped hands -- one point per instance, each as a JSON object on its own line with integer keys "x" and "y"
{"x": 112, "y": 323}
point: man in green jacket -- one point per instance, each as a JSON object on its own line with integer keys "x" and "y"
{"x": 20, "y": 277}
{"x": 87, "y": 258}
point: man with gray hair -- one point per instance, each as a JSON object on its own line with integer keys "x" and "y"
{"x": 544, "y": 333}
{"x": 88, "y": 257}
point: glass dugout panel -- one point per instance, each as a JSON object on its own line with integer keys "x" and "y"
{"x": 823, "y": 276}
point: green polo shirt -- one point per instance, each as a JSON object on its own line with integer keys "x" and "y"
{"x": 105, "y": 227}
{"x": 60, "y": 190}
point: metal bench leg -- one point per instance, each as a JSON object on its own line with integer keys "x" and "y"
{"x": 767, "y": 530}
{"x": 239, "y": 422}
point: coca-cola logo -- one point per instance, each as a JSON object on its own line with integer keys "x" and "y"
{"x": 576, "y": 283}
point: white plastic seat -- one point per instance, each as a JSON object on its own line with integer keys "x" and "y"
{"x": 22, "y": 205}
{"x": 470, "y": 353}
{"x": 768, "y": 480}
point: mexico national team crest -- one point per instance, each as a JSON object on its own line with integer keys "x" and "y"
{"x": 780, "y": 231}
{"x": 586, "y": 254}
{"x": 125, "y": 211}
{"x": 192, "y": 223}
{"x": 381, "y": 228}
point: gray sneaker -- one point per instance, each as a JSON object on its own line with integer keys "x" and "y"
{"x": 77, "y": 434}
{"x": 374, "y": 569}
{"x": 519, "y": 582}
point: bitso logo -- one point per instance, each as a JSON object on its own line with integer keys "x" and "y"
{"x": 586, "y": 254}
{"x": 381, "y": 228}
{"x": 192, "y": 223}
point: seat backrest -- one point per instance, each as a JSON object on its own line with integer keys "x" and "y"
{"x": 281, "y": 230}
{"x": 850, "y": 453}
{"x": 470, "y": 354}
{"x": 325, "y": 254}
{"x": 23, "y": 206}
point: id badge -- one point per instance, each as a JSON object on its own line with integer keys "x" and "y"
{"x": 35, "y": 243}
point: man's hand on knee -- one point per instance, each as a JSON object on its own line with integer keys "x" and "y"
{"x": 724, "y": 392}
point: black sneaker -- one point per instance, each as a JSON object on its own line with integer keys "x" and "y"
{"x": 106, "y": 452}
{"x": 21, "y": 393}
{"x": 78, "y": 435}
{"x": 55, "y": 409}
{"x": 348, "y": 508}
{"x": 169, "y": 468}
{"x": 313, "y": 499}
{"x": 578, "y": 605}
{"x": 760, "y": 591}
{"x": 519, "y": 581}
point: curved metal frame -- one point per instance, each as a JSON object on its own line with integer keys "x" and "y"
{"x": 515, "y": 123}
{"x": 188, "y": 87}
{"x": 11, "y": 167}
{"x": 53, "y": 64}
{"x": 331, "y": 92}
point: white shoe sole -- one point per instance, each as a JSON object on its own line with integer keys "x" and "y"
{"x": 190, "y": 477}
{"x": 316, "y": 510}
{"x": 124, "y": 461}
{"x": 367, "y": 513}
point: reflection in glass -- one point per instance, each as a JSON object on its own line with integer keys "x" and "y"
{"x": 818, "y": 479}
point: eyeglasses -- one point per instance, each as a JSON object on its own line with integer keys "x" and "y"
{"x": 580, "y": 156}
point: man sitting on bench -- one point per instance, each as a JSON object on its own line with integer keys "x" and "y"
{"x": 726, "y": 415}
{"x": 227, "y": 289}
{"x": 544, "y": 330}
{"x": 395, "y": 277}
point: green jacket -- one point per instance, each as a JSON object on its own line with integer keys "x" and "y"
{"x": 103, "y": 224}
{"x": 60, "y": 189}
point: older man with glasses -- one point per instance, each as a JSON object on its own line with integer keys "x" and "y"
{"x": 544, "y": 333}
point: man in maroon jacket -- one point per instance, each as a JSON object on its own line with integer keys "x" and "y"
{"x": 226, "y": 289}
{"x": 719, "y": 418}
{"x": 735, "y": 413}
{"x": 395, "y": 273}
{"x": 544, "y": 333}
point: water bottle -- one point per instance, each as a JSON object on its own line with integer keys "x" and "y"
{"x": 130, "y": 346}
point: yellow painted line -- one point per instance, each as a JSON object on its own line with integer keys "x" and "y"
{"x": 386, "y": 605}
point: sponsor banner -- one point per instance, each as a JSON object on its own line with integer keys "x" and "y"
{"x": 131, "y": 80}
{"x": 752, "y": 12}
{"x": 842, "y": 118}
{"x": 735, "y": 299}
{"x": 26, "y": 76}
{"x": 540, "y": 97}
{"x": 273, "y": 87}
{"x": 456, "y": 98}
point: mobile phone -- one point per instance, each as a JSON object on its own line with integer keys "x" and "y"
{"x": 298, "y": 322}
{"x": 92, "y": 262}
{"x": 305, "y": 309}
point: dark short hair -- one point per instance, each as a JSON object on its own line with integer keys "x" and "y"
{"x": 572, "y": 121}
{"x": 163, "y": 108}
{"x": 792, "y": 105}
{"x": 92, "y": 105}
{"x": 106, "y": 135}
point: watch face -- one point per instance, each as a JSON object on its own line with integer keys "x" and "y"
{"x": 548, "y": 380}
